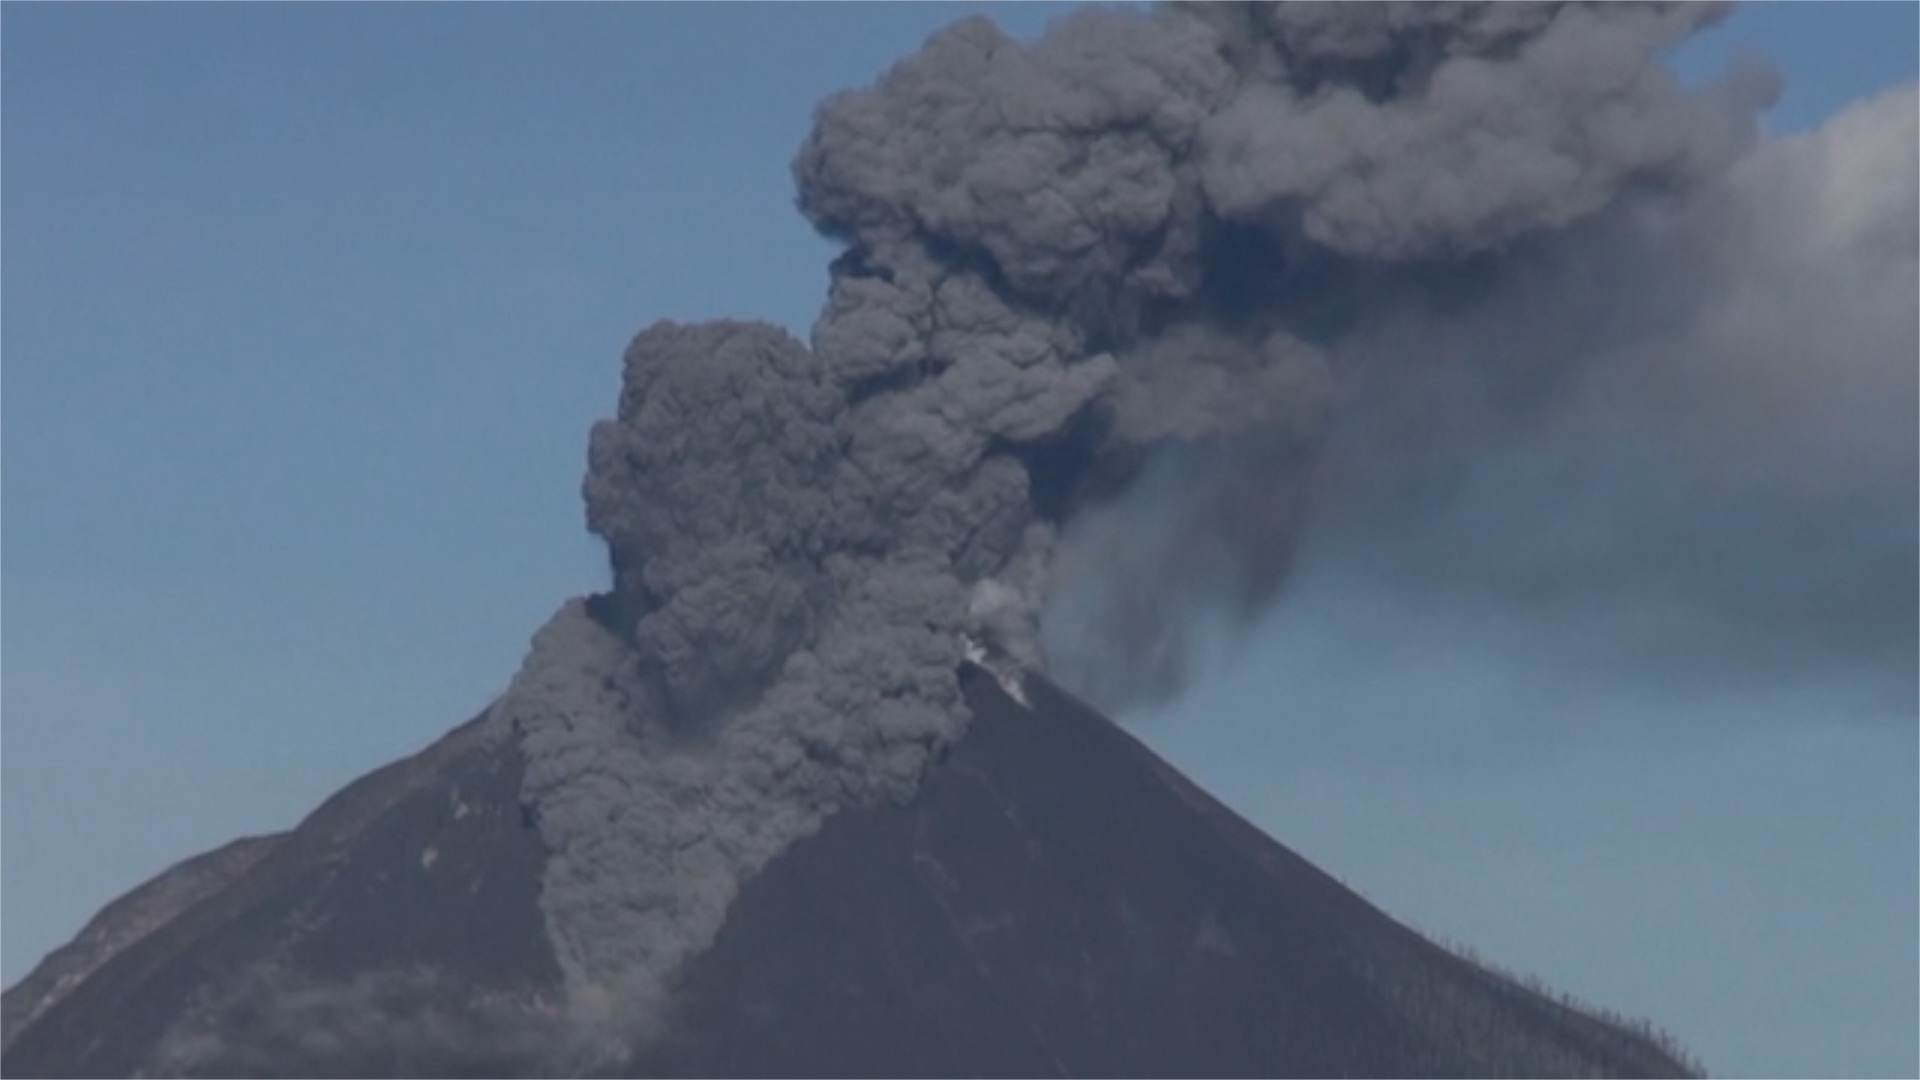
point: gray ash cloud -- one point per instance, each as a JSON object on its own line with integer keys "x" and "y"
{"x": 1104, "y": 298}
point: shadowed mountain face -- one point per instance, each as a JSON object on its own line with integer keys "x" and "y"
{"x": 409, "y": 897}
{"x": 1054, "y": 900}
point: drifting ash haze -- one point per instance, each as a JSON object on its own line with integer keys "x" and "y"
{"x": 1119, "y": 312}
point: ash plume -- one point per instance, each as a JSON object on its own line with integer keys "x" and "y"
{"x": 1104, "y": 303}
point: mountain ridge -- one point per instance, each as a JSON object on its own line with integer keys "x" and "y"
{"x": 1054, "y": 900}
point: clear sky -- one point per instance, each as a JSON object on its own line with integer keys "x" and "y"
{"x": 307, "y": 310}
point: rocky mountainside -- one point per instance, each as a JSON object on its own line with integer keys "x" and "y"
{"x": 1054, "y": 900}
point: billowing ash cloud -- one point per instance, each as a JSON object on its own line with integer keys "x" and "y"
{"x": 1102, "y": 301}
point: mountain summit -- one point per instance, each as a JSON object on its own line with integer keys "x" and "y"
{"x": 1054, "y": 900}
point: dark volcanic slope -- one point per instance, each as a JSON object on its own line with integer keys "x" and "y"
{"x": 1058, "y": 901}
{"x": 1055, "y": 901}
{"x": 123, "y": 922}
{"x": 419, "y": 881}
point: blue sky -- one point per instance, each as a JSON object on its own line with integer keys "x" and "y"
{"x": 307, "y": 310}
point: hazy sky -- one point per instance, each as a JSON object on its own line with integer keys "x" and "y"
{"x": 307, "y": 311}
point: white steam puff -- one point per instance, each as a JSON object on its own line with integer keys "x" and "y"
{"x": 1150, "y": 252}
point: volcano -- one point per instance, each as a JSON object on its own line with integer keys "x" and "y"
{"x": 1054, "y": 900}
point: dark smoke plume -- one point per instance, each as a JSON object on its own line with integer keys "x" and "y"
{"x": 1154, "y": 255}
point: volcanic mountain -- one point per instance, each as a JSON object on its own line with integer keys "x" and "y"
{"x": 770, "y": 804}
{"x": 1055, "y": 900}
